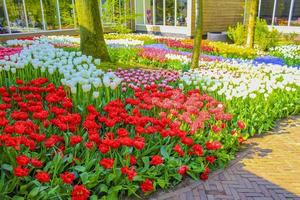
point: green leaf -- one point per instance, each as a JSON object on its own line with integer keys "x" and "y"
{"x": 7, "y": 167}
{"x": 162, "y": 183}
{"x": 80, "y": 168}
{"x": 94, "y": 197}
{"x": 164, "y": 152}
{"x": 103, "y": 188}
{"x": 146, "y": 162}
{"x": 34, "y": 192}
{"x": 138, "y": 178}
{"x": 113, "y": 195}
{"x": 84, "y": 178}
{"x": 109, "y": 178}
{"x": 116, "y": 188}
{"x": 18, "y": 198}
{"x": 53, "y": 190}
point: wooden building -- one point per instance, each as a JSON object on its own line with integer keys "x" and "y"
{"x": 179, "y": 16}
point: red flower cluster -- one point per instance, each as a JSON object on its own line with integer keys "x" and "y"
{"x": 204, "y": 175}
{"x": 182, "y": 170}
{"x": 147, "y": 186}
{"x": 175, "y": 43}
{"x": 43, "y": 177}
{"x": 80, "y": 192}
{"x": 107, "y": 163}
{"x": 23, "y": 161}
{"x": 34, "y": 106}
{"x": 67, "y": 177}
{"x": 156, "y": 160}
{"x": 129, "y": 172}
{"x": 21, "y": 171}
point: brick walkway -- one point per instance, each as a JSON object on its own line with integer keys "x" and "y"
{"x": 268, "y": 168}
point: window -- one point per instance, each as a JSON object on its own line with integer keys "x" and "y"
{"x": 295, "y": 19}
{"x": 139, "y": 12}
{"x": 107, "y": 10}
{"x": 282, "y": 12}
{"x": 159, "y": 12}
{"x": 170, "y": 12}
{"x": 149, "y": 11}
{"x": 51, "y": 14}
{"x": 266, "y": 11}
{"x": 34, "y": 15}
{"x": 181, "y": 18}
{"x": 16, "y": 15}
{"x": 3, "y": 23}
{"x": 66, "y": 14}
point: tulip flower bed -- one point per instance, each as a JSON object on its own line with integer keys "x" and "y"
{"x": 185, "y": 44}
{"x": 257, "y": 94}
{"x": 158, "y": 56}
{"x": 81, "y": 132}
{"x": 132, "y": 146}
{"x": 71, "y": 69}
{"x": 289, "y": 53}
{"x": 137, "y": 78}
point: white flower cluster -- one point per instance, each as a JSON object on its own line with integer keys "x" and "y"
{"x": 124, "y": 42}
{"x": 241, "y": 80}
{"x": 182, "y": 58}
{"x": 288, "y": 51}
{"x": 62, "y": 40}
{"x": 16, "y": 42}
{"x": 75, "y": 68}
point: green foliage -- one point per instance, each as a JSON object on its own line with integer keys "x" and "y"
{"x": 117, "y": 15}
{"x": 237, "y": 34}
{"x": 289, "y": 38}
{"x": 264, "y": 38}
{"x": 123, "y": 55}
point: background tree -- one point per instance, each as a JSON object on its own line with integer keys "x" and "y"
{"x": 251, "y": 23}
{"x": 198, "y": 35}
{"x": 91, "y": 32}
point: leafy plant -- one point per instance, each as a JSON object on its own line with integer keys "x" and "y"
{"x": 117, "y": 14}
{"x": 265, "y": 38}
{"x": 237, "y": 34}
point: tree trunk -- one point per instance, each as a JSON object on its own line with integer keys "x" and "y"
{"x": 91, "y": 32}
{"x": 251, "y": 23}
{"x": 198, "y": 35}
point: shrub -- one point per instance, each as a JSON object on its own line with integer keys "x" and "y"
{"x": 237, "y": 34}
{"x": 264, "y": 38}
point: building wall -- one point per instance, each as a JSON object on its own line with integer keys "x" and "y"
{"x": 218, "y": 15}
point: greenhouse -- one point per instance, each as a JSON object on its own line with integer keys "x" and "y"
{"x": 162, "y": 16}
{"x": 149, "y": 99}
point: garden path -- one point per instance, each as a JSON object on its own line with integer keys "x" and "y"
{"x": 267, "y": 168}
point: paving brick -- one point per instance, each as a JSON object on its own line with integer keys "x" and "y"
{"x": 268, "y": 170}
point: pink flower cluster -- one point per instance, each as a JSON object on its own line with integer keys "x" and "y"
{"x": 154, "y": 54}
{"x": 6, "y": 51}
{"x": 135, "y": 78}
